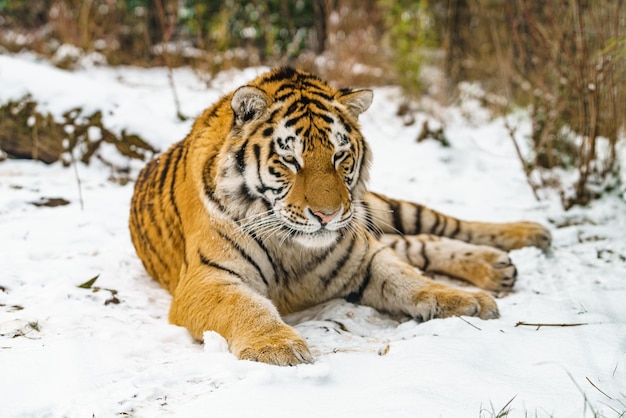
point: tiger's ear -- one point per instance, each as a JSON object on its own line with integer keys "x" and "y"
{"x": 248, "y": 103}
{"x": 357, "y": 101}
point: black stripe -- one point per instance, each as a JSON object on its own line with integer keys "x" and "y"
{"x": 418, "y": 220}
{"x": 259, "y": 241}
{"x": 166, "y": 159}
{"x": 293, "y": 120}
{"x": 434, "y": 227}
{"x": 315, "y": 262}
{"x": 361, "y": 158}
{"x": 397, "y": 216}
{"x": 340, "y": 263}
{"x": 292, "y": 109}
{"x": 148, "y": 246}
{"x": 245, "y": 256}
{"x": 257, "y": 155}
{"x": 395, "y": 209}
{"x": 457, "y": 228}
{"x": 273, "y": 115}
{"x": 210, "y": 263}
{"x": 209, "y": 194}
{"x": 273, "y": 172}
{"x": 306, "y": 101}
{"x": 444, "y": 225}
{"x": 145, "y": 173}
{"x": 325, "y": 117}
{"x": 214, "y": 110}
{"x": 355, "y": 297}
{"x": 345, "y": 124}
{"x": 281, "y": 74}
{"x": 262, "y": 189}
{"x": 246, "y": 194}
{"x": 283, "y": 96}
{"x": 185, "y": 152}
{"x": 424, "y": 256}
{"x": 155, "y": 223}
{"x": 286, "y": 86}
{"x": 270, "y": 154}
{"x": 208, "y": 191}
{"x": 240, "y": 158}
{"x": 317, "y": 89}
{"x": 172, "y": 196}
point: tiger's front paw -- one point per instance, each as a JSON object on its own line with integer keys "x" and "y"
{"x": 281, "y": 346}
{"x": 439, "y": 301}
{"x": 488, "y": 268}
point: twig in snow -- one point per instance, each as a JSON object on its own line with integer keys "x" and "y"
{"x": 80, "y": 187}
{"x": 528, "y": 324}
{"x": 527, "y": 170}
{"x": 468, "y": 322}
{"x": 599, "y": 390}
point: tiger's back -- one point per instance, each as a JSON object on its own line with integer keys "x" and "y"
{"x": 155, "y": 227}
{"x": 163, "y": 196}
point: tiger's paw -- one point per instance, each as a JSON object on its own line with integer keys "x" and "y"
{"x": 439, "y": 301}
{"x": 525, "y": 234}
{"x": 490, "y": 269}
{"x": 280, "y": 347}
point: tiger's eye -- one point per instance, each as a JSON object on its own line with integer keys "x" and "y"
{"x": 340, "y": 156}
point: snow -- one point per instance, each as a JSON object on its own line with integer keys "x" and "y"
{"x": 70, "y": 351}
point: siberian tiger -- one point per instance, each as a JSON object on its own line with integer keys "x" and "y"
{"x": 263, "y": 210}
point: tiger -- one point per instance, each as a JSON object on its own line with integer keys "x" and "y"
{"x": 263, "y": 210}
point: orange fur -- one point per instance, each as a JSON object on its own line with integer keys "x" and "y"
{"x": 263, "y": 210}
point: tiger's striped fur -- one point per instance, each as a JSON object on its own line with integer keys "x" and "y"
{"x": 263, "y": 210}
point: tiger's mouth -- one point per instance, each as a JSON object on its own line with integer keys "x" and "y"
{"x": 320, "y": 235}
{"x": 313, "y": 230}
{"x": 317, "y": 239}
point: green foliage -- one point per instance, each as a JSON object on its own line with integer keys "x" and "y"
{"x": 89, "y": 285}
{"x": 276, "y": 28}
{"x": 25, "y": 13}
{"x": 127, "y": 31}
{"x": 409, "y": 31}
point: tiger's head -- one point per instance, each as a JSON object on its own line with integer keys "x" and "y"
{"x": 296, "y": 163}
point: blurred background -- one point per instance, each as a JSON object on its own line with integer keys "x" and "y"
{"x": 563, "y": 60}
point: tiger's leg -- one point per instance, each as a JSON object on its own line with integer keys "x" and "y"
{"x": 211, "y": 297}
{"x": 392, "y": 285}
{"x": 393, "y": 216}
{"x": 486, "y": 267}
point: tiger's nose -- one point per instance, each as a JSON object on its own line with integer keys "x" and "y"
{"x": 324, "y": 217}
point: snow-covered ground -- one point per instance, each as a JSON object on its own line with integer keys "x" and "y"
{"x": 109, "y": 350}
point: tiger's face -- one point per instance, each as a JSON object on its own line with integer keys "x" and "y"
{"x": 316, "y": 173}
{"x": 303, "y": 157}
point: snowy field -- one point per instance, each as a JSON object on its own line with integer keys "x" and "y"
{"x": 107, "y": 351}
